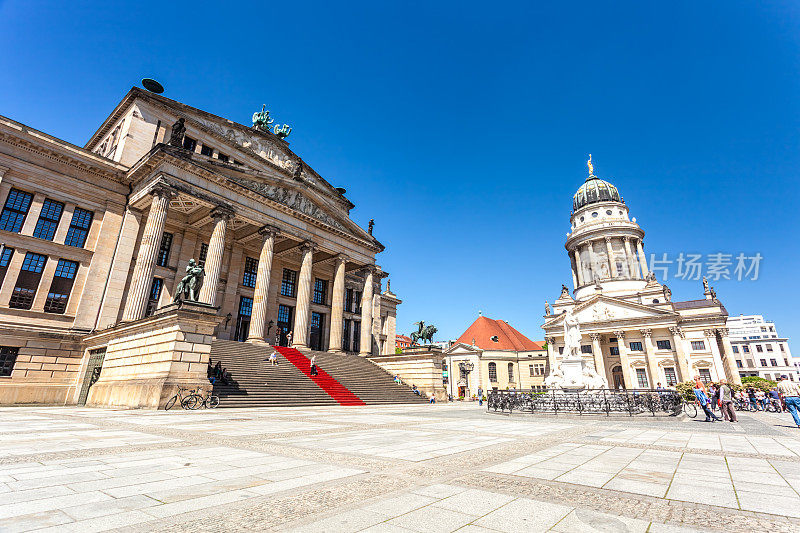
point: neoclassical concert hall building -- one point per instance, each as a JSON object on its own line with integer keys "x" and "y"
{"x": 96, "y": 238}
{"x": 633, "y": 332}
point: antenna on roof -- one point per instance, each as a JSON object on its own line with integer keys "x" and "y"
{"x": 152, "y": 85}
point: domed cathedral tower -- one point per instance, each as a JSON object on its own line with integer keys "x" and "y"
{"x": 632, "y": 330}
{"x": 604, "y": 246}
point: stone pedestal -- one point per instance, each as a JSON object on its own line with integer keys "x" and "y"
{"x": 417, "y": 365}
{"x": 148, "y": 359}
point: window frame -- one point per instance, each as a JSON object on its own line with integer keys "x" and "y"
{"x": 77, "y": 234}
{"x": 289, "y": 283}
{"x": 49, "y": 219}
{"x": 15, "y": 210}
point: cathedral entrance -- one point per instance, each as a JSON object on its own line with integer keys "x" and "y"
{"x": 616, "y": 377}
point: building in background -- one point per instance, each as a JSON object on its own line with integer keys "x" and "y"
{"x": 492, "y": 355}
{"x": 633, "y": 331}
{"x": 758, "y": 348}
{"x": 402, "y": 341}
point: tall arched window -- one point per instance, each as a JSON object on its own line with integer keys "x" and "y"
{"x": 510, "y": 371}
{"x": 493, "y": 372}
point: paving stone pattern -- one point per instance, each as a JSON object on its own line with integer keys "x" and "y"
{"x": 391, "y": 468}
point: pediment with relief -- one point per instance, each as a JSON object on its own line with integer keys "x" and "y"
{"x": 607, "y": 309}
{"x": 290, "y": 198}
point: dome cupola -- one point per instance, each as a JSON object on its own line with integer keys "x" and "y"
{"x": 594, "y": 190}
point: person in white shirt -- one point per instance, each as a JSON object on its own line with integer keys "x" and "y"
{"x": 273, "y": 359}
{"x": 313, "y": 365}
{"x": 790, "y": 393}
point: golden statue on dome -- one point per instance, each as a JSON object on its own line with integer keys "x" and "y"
{"x": 589, "y": 164}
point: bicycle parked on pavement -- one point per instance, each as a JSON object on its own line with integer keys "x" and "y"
{"x": 209, "y": 401}
{"x": 187, "y": 398}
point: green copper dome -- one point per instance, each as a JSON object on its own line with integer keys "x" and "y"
{"x": 595, "y": 190}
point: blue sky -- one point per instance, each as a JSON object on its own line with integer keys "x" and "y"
{"x": 463, "y": 128}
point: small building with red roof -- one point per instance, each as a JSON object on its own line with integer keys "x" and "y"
{"x": 402, "y": 341}
{"x": 493, "y": 355}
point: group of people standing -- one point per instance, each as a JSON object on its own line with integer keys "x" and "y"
{"x": 785, "y": 396}
{"x": 721, "y": 396}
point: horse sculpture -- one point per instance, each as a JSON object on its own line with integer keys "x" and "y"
{"x": 423, "y": 333}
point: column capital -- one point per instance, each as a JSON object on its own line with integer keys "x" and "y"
{"x": 308, "y": 246}
{"x": 342, "y": 258}
{"x": 710, "y": 333}
{"x": 369, "y": 269}
{"x": 677, "y": 331}
{"x": 626, "y": 238}
{"x": 620, "y": 334}
{"x": 594, "y": 336}
{"x": 222, "y": 211}
{"x": 723, "y": 332}
{"x": 647, "y": 333}
{"x": 550, "y": 340}
{"x": 162, "y": 189}
{"x": 608, "y": 240}
{"x": 268, "y": 231}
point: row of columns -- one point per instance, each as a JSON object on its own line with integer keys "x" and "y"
{"x": 146, "y": 262}
{"x": 637, "y": 264}
{"x": 725, "y": 362}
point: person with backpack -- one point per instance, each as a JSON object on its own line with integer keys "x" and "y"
{"x": 700, "y": 394}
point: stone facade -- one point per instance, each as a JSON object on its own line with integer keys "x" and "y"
{"x": 99, "y": 237}
{"x": 633, "y": 332}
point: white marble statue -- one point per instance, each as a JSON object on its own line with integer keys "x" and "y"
{"x": 572, "y": 334}
{"x": 573, "y": 371}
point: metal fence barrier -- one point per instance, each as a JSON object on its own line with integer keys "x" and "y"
{"x": 589, "y": 401}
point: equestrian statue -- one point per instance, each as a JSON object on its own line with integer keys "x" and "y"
{"x": 424, "y": 333}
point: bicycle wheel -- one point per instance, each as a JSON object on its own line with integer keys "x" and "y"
{"x": 170, "y": 403}
{"x": 212, "y": 401}
{"x": 690, "y": 409}
{"x": 192, "y": 402}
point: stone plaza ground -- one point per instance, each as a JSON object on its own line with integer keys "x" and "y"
{"x": 426, "y": 468}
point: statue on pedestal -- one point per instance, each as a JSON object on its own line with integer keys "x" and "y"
{"x": 189, "y": 287}
{"x": 178, "y": 132}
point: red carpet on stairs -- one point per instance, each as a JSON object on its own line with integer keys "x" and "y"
{"x": 335, "y": 390}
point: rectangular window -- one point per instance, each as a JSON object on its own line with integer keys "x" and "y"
{"x": 698, "y": 345}
{"x": 289, "y": 283}
{"x": 750, "y": 363}
{"x": 641, "y": 378}
{"x": 763, "y": 362}
{"x": 189, "y": 143}
{"x": 61, "y": 286}
{"x": 586, "y": 348}
{"x": 48, "y": 220}
{"x": 348, "y": 300}
{"x": 636, "y": 346}
{"x": 767, "y": 377}
{"x": 735, "y": 349}
{"x": 663, "y": 345}
{"x": 769, "y": 347}
{"x": 560, "y": 350}
{"x": 15, "y": 210}
{"x": 8, "y": 356}
{"x": 510, "y": 371}
{"x": 243, "y": 320}
{"x": 28, "y": 281}
{"x": 320, "y": 291}
{"x": 206, "y": 150}
{"x": 356, "y": 336}
{"x": 759, "y": 348}
{"x": 348, "y": 324}
{"x": 163, "y": 250}
{"x": 782, "y": 348}
{"x": 357, "y": 301}
{"x": 250, "y": 272}
{"x": 612, "y": 339}
{"x": 530, "y": 367}
{"x": 79, "y": 228}
{"x": 705, "y": 375}
{"x": 155, "y": 295}
{"x": 672, "y": 378}
{"x": 222, "y": 157}
{"x": 613, "y": 350}
{"x": 746, "y": 349}
{"x": 5, "y": 260}
{"x": 284, "y": 318}
{"x": 203, "y": 254}
{"x": 493, "y": 372}
{"x": 773, "y": 362}
{"x": 739, "y": 363}
{"x": 539, "y": 369}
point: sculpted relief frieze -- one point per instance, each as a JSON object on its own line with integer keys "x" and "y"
{"x": 292, "y": 199}
{"x": 260, "y": 146}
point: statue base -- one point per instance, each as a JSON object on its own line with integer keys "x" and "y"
{"x": 575, "y": 374}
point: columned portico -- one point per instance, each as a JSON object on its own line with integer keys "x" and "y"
{"x": 678, "y": 337}
{"x": 146, "y": 259}
{"x": 612, "y": 263}
{"x": 650, "y": 356}
{"x": 300, "y": 337}
{"x": 337, "y": 305}
{"x": 624, "y": 362}
{"x": 216, "y": 245}
{"x": 599, "y": 366}
{"x": 728, "y": 358}
{"x": 551, "y": 353}
{"x": 261, "y": 291}
{"x": 366, "y": 313}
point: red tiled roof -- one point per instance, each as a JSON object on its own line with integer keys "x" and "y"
{"x": 402, "y": 338}
{"x": 483, "y": 329}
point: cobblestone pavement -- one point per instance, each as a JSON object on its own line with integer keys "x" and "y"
{"x": 393, "y": 468}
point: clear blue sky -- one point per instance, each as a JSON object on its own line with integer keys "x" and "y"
{"x": 463, "y": 128}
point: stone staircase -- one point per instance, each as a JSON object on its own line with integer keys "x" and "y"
{"x": 256, "y": 383}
